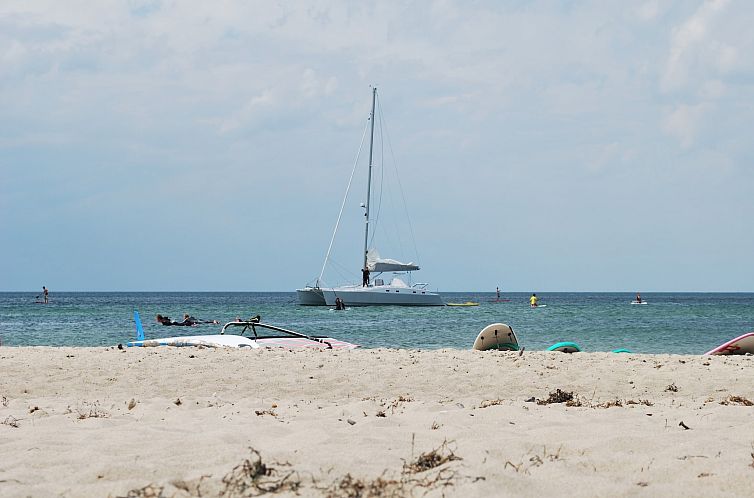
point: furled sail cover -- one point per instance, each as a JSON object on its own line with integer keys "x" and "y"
{"x": 377, "y": 264}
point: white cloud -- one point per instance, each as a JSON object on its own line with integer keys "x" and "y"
{"x": 688, "y": 44}
{"x": 649, "y": 11}
{"x": 683, "y": 122}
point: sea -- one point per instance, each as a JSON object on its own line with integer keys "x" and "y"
{"x": 676, "y": 323}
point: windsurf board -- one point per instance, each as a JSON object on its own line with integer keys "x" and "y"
{"x": 210, "y": 341}
{"x": 496, "y": 336}
{"x": 565, "y": 347}
{"x": 740, "y": 345}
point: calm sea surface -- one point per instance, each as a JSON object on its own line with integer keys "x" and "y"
{"x": 686, "y": 323}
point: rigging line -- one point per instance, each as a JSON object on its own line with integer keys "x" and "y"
{"x": 386, "y": 192}
{"x": 343, "y": 204}
{"x": 382, "y": 182}
{"x": 400, "y": 186}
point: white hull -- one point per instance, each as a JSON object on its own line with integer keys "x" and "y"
{"x": 236, "y": 341}
{"x": 382, "y": 295}
{"x": 310, "y": 296}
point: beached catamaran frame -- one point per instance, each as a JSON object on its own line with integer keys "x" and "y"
{"x": 378, "y": 292}
{"x": 284, "y": 338}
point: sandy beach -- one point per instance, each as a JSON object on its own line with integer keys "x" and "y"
{"x": 211, "y": 422}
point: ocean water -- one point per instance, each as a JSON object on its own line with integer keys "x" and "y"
{"x": 682, "y": 323}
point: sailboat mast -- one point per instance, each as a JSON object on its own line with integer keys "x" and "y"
{"x": 369, "y": 180}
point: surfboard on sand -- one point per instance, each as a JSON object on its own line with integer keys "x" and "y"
{"x": 496, "y": 336}
{"x": 740, "y": 345}
{"x": 565, "y": 347}
{"x": 621, "y": 350}
{"x": 209, "y": 341}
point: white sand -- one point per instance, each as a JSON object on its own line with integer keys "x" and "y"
{"x": 66, "y": 428}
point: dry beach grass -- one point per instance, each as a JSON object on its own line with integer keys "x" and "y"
{"x": 212, "y": 422}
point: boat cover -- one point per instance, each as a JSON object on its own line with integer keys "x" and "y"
{"x": 377, "y": 264}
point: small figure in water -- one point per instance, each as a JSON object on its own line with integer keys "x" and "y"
{"x": 164, "y": 320}
{"x": 498, "y": 293}
{"x": 533, "y": 300}
{"x": 365, "y": 277}
{"x": 190, "y": 320}
{"x": 46, "y": 293}
{"x": 638, "y": 297}
{"x": 339, "y": 304}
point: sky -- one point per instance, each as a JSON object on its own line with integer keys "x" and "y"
{"x": 150, "y": 145}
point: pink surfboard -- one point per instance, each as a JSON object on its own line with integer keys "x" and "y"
{"x": 740, "y": 345}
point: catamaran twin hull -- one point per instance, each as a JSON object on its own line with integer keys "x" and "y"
{"x": 369, "y": 296}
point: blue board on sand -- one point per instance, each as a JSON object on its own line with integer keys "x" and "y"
{"x": 622, "y": 350}
{"x": 565, "y": 347}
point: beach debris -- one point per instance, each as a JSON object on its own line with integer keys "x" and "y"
{"x": 254, "y": 477}
{"x": 737, "y": 400}
{"x": 434, "y": 426}
{"x": 178, "y": 402}
{"x": 672, "y": 388}
{"x": 380, "y": 413}
{"x": 265, "y": 412}
{"x": 644, "y": 402}
{"x": 490, "y": 402}
{"x": 148, "y": 491}
{"x": 685, "y": 427}
{"x": 88, "y": 410}
{"x": 528, "y": 461}
{"x": 351, "y": 487}
{"x": 132, "y": 404}
{"x": 610, "y": 404}
{"x": 431, "y": 459}
{"x": 33, "y": 409}
{"x": 559, "y": 396}
{"x": 4, "y": 401}
{"x": 351, "y": 421}
{"x": 10, "y": 421}
{"x": 396, "y": 403}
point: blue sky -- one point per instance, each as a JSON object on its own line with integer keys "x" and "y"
{"x": 542, "y": 146}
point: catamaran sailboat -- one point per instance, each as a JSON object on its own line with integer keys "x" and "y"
{"x": 379, "y": 290}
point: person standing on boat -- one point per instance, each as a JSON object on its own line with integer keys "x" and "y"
{"x": 365, "y": 277}
{"x": 46, "y": 293}
{"x": 533, "y": 300}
